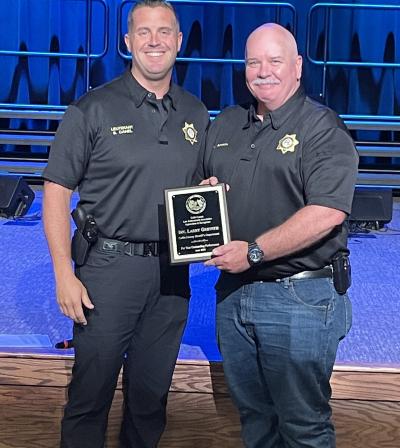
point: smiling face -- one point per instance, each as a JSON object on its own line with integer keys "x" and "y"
{"x": 154, "y": 41}
{"x": 273, "y": 66}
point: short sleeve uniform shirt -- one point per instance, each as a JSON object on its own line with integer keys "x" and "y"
{"x": 121, "y": 147}
{"x": 300, "y": 154}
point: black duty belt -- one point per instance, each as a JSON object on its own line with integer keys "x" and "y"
{"x": 143, "y": 249}
{"x": 325, "y": 272}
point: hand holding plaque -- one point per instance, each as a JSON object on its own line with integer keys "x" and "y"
{"x": 197, "y": 221}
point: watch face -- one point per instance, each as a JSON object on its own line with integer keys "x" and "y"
{"x": 255, "y": 255}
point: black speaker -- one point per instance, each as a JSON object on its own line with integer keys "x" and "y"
{"x": 372, "y": 205}
{"x": 15, "y": 196}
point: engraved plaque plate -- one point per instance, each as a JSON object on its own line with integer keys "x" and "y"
{"x": 197, "y": 221}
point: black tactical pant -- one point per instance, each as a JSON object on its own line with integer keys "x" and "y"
{"x": 140, "y": 313}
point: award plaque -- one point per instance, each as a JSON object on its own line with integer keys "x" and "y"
{"x": 197, "y": 221}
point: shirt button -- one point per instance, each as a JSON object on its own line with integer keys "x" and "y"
{"x": 149, "y": 94}
{"x": 252, "y": 146}
{"x": 153, "y": 110}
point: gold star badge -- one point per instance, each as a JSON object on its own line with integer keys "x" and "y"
{"x": 287, "y": 143}
{"x": 190, "y": 133}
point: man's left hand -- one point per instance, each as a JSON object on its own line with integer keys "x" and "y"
{"x": 231, "y": 257}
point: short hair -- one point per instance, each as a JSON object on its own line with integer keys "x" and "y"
{"x": 151, "y": 4}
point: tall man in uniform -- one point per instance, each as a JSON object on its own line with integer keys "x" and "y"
{"x": 282, "y": 304}
{"x": 121, "y": 145}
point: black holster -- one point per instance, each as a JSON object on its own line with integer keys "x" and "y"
{"x": 79, "y": 248}
{"x": 341, "y": 272}
{"x": 85, "y": 235}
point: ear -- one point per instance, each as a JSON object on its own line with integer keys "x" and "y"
{"x": 299, "y": 67}
{"x": 180, "y": 37}
{"x": 127, "y": 42}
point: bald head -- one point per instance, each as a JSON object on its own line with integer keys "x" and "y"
{"x": 273, "y": 65}
{"x": 276, "y": 33}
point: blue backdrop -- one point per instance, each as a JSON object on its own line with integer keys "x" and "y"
{"x": 52, "y": 51}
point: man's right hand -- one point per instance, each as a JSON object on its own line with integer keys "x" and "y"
{"x": 71, "y": 294}
{"x": 71, "y": 297}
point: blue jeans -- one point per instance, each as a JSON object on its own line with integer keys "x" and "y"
{"x": 278, "y": 341}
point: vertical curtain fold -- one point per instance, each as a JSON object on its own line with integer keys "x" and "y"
{"x": 210, "y": 31}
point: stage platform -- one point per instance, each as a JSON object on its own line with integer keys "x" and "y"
{"x": 366, "y": 405}
{"x": 34, "y": 375}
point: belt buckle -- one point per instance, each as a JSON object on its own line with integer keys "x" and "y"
{"x": 110, "y": 246}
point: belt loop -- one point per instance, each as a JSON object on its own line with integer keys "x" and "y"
{"x": 128, "y": 249}
{"x": 155, "y": 248}
{"x": 285, "y": 281}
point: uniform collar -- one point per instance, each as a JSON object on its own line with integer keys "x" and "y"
{"x": 139, "y": 93}
{"x": 279, "y": 116}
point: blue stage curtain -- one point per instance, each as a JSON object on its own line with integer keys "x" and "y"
{"x": 210, "y": 31}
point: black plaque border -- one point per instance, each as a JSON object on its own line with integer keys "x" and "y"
{"x": 175, "y": 258}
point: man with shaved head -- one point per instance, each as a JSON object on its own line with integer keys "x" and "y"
{"x": 282, "y": 297}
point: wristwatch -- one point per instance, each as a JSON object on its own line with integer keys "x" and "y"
{"x": 254, "y": 254}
